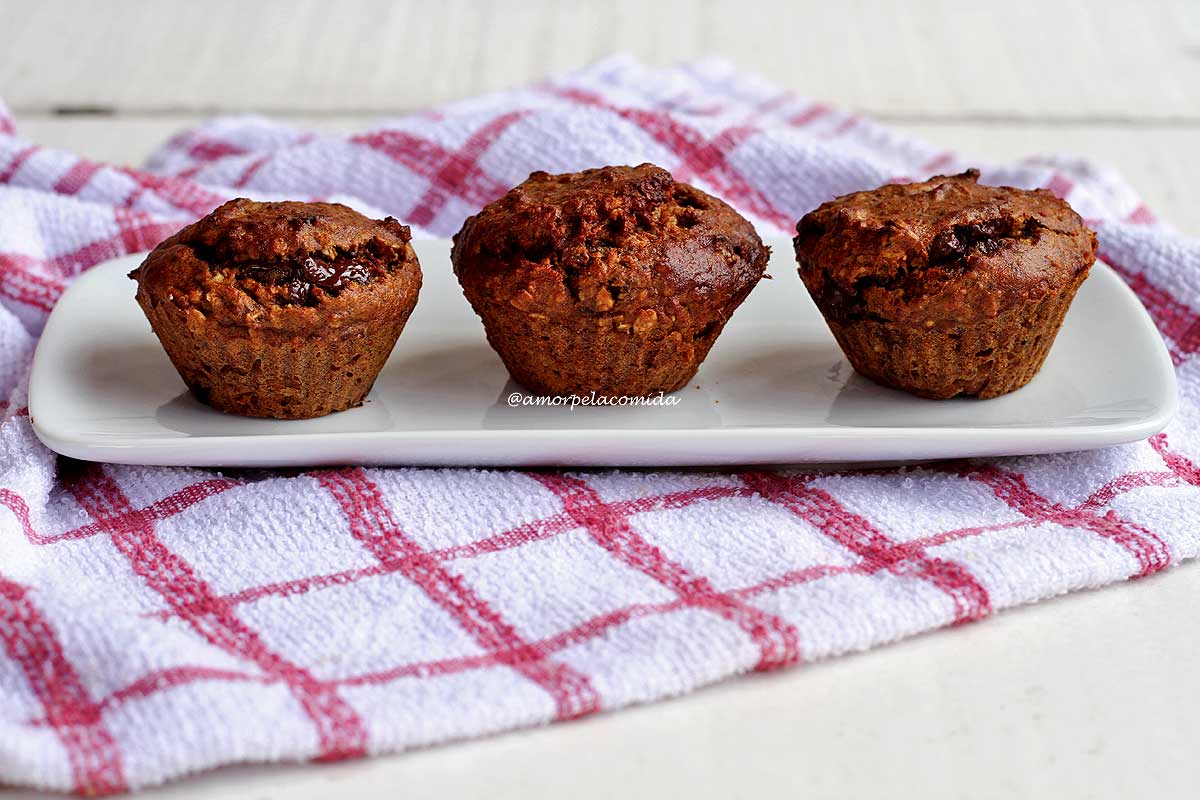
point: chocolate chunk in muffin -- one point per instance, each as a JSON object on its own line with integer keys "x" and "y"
{"x": 285, "y": 310}
{"x": 615, "y": 280}
{"x": 945, "y": 287}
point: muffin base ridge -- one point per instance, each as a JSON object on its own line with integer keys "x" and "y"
{"x": 266, "y": 373}
{"x": 984, "y": 360}
{"x": 613, "y": 359}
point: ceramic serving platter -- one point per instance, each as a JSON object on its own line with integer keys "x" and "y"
{"x": 775, "y": 389}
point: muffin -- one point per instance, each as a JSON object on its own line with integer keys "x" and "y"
{"x": 285, "y": 310}
{"x": 615, "y": 280}
{"x": 945, "y": 287}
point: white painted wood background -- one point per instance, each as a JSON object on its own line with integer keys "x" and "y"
{"x": 1093, "y": 695}
{"x": 1115, "y": 82}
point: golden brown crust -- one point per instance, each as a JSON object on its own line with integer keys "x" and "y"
{"x": 945, "y": 287}
{"x": 284, "y": 310}
{"x": 614, "y": 280}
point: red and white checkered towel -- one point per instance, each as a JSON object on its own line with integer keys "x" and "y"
{"x": 155, "y": 622}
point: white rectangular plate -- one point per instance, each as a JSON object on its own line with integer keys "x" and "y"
{"x": 775, "y": 389}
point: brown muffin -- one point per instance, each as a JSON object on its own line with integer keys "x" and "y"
{"x": 285, "y": 310}
{"x": 945, "y": 287}
{"x": 615, "y": 280}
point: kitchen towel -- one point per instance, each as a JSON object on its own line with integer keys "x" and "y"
{"x": 155, "y": 622}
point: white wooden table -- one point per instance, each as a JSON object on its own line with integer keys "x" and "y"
{"x": 1092, "y": 695}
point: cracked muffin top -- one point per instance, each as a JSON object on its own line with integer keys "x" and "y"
{"x": 249, "y": 261}
{"x": 944, "y": 248}
{"x": 602, "y": 239}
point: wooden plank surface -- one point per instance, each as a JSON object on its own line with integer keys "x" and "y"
{"x": 1028, "y": 59}
{"x": 1117, "y": 83}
